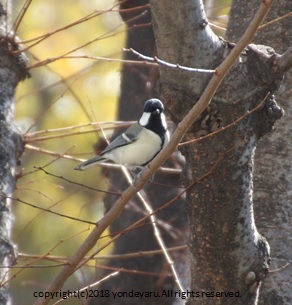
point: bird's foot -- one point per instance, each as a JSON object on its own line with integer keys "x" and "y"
{"x": 136, "y": 175}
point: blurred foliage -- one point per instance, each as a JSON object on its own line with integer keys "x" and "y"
{"x": 217, "y": 12}
{"x": 67, "y": 92}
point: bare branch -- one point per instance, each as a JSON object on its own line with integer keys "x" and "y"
{"x": 50, "y": 211}
{"x": 56, "y": 258}
{"x": 263, "y": 26}
{"x": 41, "y": 257}
{"x": 167, "y": 64}
{"x": 106, "y": 35}
{"x": 76, "y": 183}
{"x": 258, "y": 107}
{"x": 21, "y": 15}
{"x": 90, "y": 286}
{"x": 41, "y": 135}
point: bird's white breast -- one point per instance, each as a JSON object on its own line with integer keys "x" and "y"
{"x": 138, "y": 152}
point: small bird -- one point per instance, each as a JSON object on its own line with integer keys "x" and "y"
{"x": 140, "y": 143}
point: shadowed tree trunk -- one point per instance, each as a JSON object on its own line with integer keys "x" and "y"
{"x": 12, "y": 70}
{"x": 273, "y": 159}
{"x": 228, "y": 253}
{"x": 139, "y": 83}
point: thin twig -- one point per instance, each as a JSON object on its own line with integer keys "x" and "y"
{"x": 29, "y": 138}
{"x": 39, "y": 39}
{"x": 55, "y": 258}
{"x": 76, "y": 183}
{"x": 89, "y": 286}
{"x": 99, "y": 38}
{"x": 4, "y": 282}
{"x": 167, "y": 64}
{"x": 281, "y": 268}
{"x": 69, "y": 128}
{"x": 50, "y": 211}
{"x": 217, "y": 26}
{"x": 21, "y": 15}
{"x": 233, "y": 123}
{"x": 85, "y": 19}
{"x": 263, "y": 26}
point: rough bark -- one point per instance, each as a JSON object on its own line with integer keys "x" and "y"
{"x": 227, "y": 252}
{"x": 12, "y": 70}
{"x": 273, "y": 158}
{"x": 138, "y": 85}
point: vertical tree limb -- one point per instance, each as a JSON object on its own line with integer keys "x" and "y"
{"x": 12, "y": 70}
{"x": 273, "y": 158}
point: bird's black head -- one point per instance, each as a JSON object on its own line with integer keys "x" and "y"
{"x": 153, "y": 117}
{"x": 153, "y": 106}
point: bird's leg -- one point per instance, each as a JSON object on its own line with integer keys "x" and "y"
{"x": 136, "y": 175}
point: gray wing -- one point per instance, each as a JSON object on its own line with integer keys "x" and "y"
{"x": 126, "y": 138}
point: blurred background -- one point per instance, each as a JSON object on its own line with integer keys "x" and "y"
{"x": 64, "y": 109}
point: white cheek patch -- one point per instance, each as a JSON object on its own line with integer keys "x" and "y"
{"x": 144, "y": 118}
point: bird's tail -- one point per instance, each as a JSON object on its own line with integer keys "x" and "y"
{"x": 91, "y": 162}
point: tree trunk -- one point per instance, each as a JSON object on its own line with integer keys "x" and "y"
{"x": 12, "y": 70}
{"x": 273, "y": 158}
{"x": 227, "y": 252}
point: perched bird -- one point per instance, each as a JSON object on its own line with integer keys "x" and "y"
{"x": 140, "y": 143}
